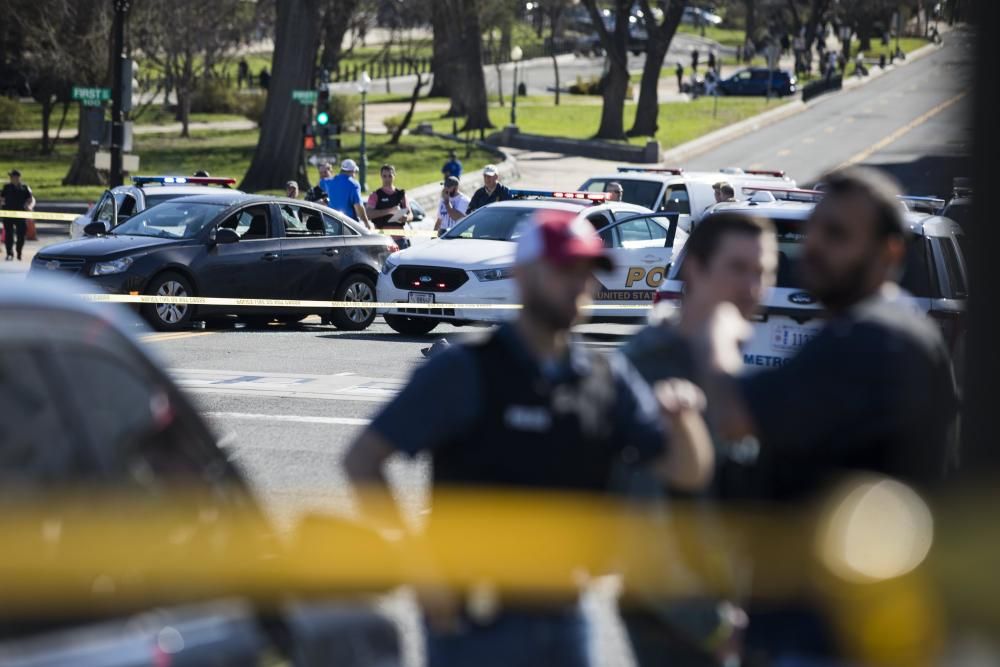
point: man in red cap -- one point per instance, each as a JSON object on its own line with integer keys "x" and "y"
{"x": 530, "y": 408}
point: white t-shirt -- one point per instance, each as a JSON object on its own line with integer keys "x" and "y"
{"x": 460, "y": 203}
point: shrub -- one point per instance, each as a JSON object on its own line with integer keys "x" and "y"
{"x": 10, "y": 113}
{"x": 595, "y": 86}
{"x": 215, "y": 96}
{"x": 344, "y": 110}
{"x": 392, "y": 123}
{"x": 252, "y": 106}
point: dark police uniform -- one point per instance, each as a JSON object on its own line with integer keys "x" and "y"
{"x": 384, "y": 200}
{"x": 15, "y": 198}
{"x": 481, "y": 198}
{"x": 492, "y": 416}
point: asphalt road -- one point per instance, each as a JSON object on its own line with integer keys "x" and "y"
{"x": 286, "y": 402}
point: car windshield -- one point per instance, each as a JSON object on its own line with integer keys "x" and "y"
{"x": 492, "y": 223}
{"x": 170, "y": 220}
{"x": 154, "y": 200}
{"x": 643, "y": 193}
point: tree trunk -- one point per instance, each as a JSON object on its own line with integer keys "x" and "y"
{"x": 615, "y": 82}
{"x": 336, "y": 19}
{"x": 82, "y": 171}
{"x": 47, "y": 107}
{"x": 647, "y": 111}
{"x": 555, "y": 70}
{"x": 62, "y": 121}
{"x": 277, "y": 158}
{"x": 394, "y": 139}
{"x": 441, "y": 63}
{"x": 468, "y": 92}
{"x": 751, "y": 22}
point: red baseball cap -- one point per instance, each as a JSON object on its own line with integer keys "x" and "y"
{"x": 561, "y": 237}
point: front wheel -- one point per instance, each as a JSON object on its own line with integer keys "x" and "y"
{"x": 356, "y": 288}
{"x": 410, "y": 326}
{"x": 169, "y": 316}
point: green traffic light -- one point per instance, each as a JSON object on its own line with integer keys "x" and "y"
{"x": 322, "y": 118}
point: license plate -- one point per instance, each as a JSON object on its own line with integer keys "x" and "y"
{"x": 790, "y": 337}
{"x": 420, "y": 297}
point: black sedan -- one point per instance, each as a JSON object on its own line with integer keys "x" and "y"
{"x": 236, "y": 246}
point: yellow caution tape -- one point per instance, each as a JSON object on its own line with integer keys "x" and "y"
{"x": 36, "y": 215}
{"x": 303, "y": 303}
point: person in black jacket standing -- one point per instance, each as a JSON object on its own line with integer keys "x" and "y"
{"x": 16, "y": 196}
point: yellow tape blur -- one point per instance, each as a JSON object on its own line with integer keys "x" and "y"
{"x": 34, "y": 215}
{"x": 74, "y": 554}
{"x": 301, "y": 303}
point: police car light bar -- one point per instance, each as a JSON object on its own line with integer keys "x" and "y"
{"x": 794, "y": 194}
{"x": 777, "y": 173}
{"x": 561, "y": 194}
{"x": 183, "y": 180}
{"x": 676, "y": 171}
{"x": 925, "y": 204}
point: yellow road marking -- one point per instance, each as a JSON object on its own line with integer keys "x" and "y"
{"x": 176, "y": 335}
{"x": 901, "y": 132}
{"x": 783, "y": 152}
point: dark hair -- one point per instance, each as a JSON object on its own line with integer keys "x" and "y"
{"x": 879, "y": 189}
{"x": 389, "y": 167}
{"x": 707, "y": 236}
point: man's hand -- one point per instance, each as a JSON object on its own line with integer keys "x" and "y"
{"x": 690, "y": 461}
{"x": 725, "y": 331}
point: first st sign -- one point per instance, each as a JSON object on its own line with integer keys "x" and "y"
{"x": 91, "y": 96}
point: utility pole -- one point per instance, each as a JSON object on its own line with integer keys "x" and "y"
{"x": 118, "y": 82}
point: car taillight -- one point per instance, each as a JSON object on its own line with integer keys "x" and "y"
{"x": 668, "y": 296}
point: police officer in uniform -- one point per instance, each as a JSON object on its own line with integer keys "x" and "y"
{"x": 387, "y": 207}
{"x": 16, "y": 196}
{"x": 531, "y": 408}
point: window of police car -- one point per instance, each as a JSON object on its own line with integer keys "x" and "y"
{"x": 642, "y": 193}
{"x": 952, "y": 278}
{"x": 677, "y": 200}
{"x": 491, "y": 223}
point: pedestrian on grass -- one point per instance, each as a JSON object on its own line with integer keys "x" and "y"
{"x": 694, "y": 59}
{"x": 538, "y": 411}
{"x": 679, "y": 73}
{"x": 492, "y": 191}
{"x": 242, "y": 73}
{"x": 711, "y": 61}
{"x": 15, "y": 196}
{"x": 265, "y": 78}
{"x": 453, "y": 207}
{"x": 292, "y": 189}
{"x": 452, "y": 167}
{"x": 344, "y": 192}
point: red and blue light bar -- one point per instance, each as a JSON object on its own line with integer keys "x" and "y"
{"x": 676, "y": 171}
{"x": 183, "y": 180}
{"x": 562, "y": 194}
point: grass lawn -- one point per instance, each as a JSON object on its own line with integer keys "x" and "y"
{"x": 679, "y": 121}
{"x": 907, "y": 44}
{"x": 418, "y": 160}
{"x": 30, "y": 117}
{"x": 726, "y": 36}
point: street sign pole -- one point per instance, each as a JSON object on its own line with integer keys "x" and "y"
{"x": 116, "y": 176}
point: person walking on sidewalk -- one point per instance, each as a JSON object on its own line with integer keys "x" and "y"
{"x": 15, "y": 196}
{"x": 452, "y": 167}
{"x": 695, "y": 55}
{"x": 679, "y": 73}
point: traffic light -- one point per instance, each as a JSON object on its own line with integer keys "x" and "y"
{"x": 322, "y": 118}
{"x": 323, "y": 106}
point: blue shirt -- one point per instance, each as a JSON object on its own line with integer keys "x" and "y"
{"x": 452, "y": 168}
{"x": 344, "y": 192}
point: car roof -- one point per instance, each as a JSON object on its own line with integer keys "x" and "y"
{"x": 59, "y": 293}
{"x": 922, "y": 224}
{"x": 710, "y": 177}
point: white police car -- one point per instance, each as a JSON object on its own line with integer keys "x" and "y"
{"x": 119, "y": 204}
{"x": 688, "y": 194}
{"x": 934, "y": 278}
{"x": 473, "y": 262}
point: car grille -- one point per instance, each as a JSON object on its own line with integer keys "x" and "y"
{"x": 71, "y": 265}
{"x": 428, "y": 278}
{"x": 439, "y": 312}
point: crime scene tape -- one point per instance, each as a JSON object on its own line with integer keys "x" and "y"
{"x": 36, "y": 215}
{"x": 302, "y": 303}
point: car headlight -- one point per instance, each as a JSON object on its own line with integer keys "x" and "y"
{"x": 114, "y": 266}
{"x": 388, "y": 265}
{"x": 500, "y": 273}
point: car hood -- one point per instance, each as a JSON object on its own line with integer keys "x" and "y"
{"x": 106, "y": 246}
{"x": 459, "y": 253}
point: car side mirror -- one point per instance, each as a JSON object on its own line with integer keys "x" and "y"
{"x": 95, "y": 229}
{"x": 226, "y": 235}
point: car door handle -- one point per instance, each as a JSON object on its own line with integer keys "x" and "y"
{"x": 270, "y": 256}
{"x": 330, "y": 252}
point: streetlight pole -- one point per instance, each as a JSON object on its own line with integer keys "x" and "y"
{"x": 515, "y": 56}
{"x": 363, "y": 86}
{"x": 116, "y": 177}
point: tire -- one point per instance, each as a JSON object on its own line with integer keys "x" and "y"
{"x": 355, "y": 287}
{"x": 410, "y": 326}
{"x": 165, "y": 316}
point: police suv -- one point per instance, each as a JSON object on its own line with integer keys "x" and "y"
{"x": 934, "y": 276}
{"x": 688, "y": 194}
{"x": 473, "y": 262}
{"x": 119, "y": 204}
